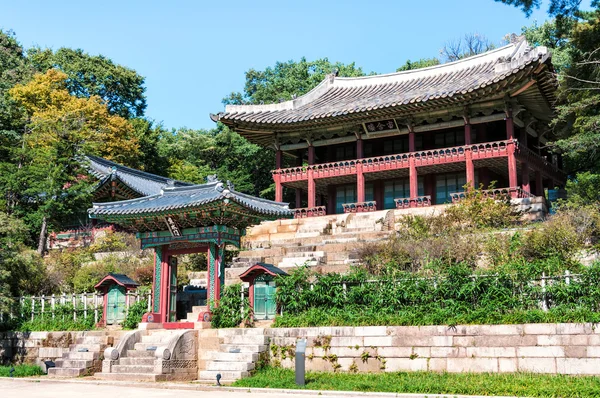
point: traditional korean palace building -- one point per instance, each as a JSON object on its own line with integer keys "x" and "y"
{"x": 412, "y": 138}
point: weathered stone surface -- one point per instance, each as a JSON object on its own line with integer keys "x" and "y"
{"x": 406, "y": 364}
{"x": 540, "y": 352}
{"x": 578, "y": 366}
{"x": 491, "y": 352}
{"x": 537, "y": 365}
{"x": 476, "y": 365}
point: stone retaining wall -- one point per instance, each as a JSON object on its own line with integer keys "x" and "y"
{"x": 35, "y": 347}
{"x": 538, "y": 348}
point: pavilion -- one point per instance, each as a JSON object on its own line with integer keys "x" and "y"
{"x": 412, "y": 138}
{"x": 183, "y": 220}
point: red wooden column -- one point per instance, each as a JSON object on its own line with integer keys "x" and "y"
{"x": 512, "y": 160}
{"x": 412, "y": 170}
{"x": 525, "y": 164}
{"x": 277, "y": 176}
{"x": 312, "y": 194}
{"x": 360, "y": 177}
{"x": 539, "y": 185}
{"x": 165, "y": 274}
{"x": 469, "y": 157}
{"x": 298, "y": 198}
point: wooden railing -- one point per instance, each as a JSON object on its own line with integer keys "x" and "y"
{"x": 524, "y": 153}
{"x": 496, "y": 193}
{"x": 419, "y": 201}
{"x": 310, "y": 212}
{"x": 360, "y": 207}
{"x": 394, "y": 162}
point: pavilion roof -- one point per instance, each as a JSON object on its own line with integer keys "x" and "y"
{"x": 212, "y": 203}
{"x": 133, "y": 183}
{"x": 346, "y": 100}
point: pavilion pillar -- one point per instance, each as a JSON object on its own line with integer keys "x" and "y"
{"x": 298, "y": 198}
{"x": 216, "y": 272}
{"x": 360, "y": 183}
{"x": 359, "y": 148}
{"x": 469, "y": 157}
{"x": 158, "y": 280}
{"x": 278, "y": 159}
{"x": 539, "y": 184}
{"x": 412, "y": 170}
{"x": 312, "y": 194}
{"x": 525, "y": 164}
{"x": 278, "y": 187}
{"x": 511, "y": 149}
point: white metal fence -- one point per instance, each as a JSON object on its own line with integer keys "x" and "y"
{"x": 83, "y": 304}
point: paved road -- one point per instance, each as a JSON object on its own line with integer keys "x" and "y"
{"x": 19, "y": 388}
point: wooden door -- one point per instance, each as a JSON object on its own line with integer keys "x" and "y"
{"x": 115, "y": 311}
{"x": 264, "y": 299}
{"x": 172, "y": 289}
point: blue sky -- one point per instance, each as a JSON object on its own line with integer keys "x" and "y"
{"x": 193, "y": 53}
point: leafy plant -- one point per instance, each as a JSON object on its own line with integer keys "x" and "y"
{"x": 135, "y": 314}
{"x": 228, "y": 314}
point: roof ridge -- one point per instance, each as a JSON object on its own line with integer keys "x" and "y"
{"x": 136, "y": 172}
{"x": 496, "y": 55}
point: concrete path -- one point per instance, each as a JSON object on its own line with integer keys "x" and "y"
{"x": 77, "y": 388}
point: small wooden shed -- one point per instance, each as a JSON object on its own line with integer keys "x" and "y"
{"x": 261, "y": 291}
{"x": 114, "y": 288}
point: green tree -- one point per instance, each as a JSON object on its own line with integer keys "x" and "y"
{"x": 556, "y": 8}
{"x": 120, "y": 87}
{"x": 421, "y": 63}
{"x": 549, "y": 35}
{"x": 287, "y": 80}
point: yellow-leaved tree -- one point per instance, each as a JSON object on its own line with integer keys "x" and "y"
{"x": 61, "y": 129}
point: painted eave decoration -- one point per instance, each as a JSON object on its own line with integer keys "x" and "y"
{"x": 119, "y": 279}
{"x": 262, "y": 268}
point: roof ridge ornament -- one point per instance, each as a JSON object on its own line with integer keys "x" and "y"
{"x": 230, "y": 185}
{"x": 211, "y": 179}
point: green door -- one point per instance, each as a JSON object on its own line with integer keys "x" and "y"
{"x": 115, "y": 303}
{"x": 264, "y": 299}
{"x": 173, "y": 289}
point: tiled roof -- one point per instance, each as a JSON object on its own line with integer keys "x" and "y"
{"x": 343, "y": 98}
{"x": 177, "y": 198}
{"x": 121, "y": 279}
{"x": 139, "y": 181}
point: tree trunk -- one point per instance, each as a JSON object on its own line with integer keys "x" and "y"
{"x": 42, "y": 240}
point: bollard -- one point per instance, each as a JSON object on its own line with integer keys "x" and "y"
{"x": 301, "y": 362}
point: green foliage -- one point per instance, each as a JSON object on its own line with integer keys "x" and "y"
{"x": 110, "y": 242}
{"x": 134, "y": 315}
{"x": 496, "y": 384}
{"x": 229, "y": 312}
{"x": 421, "y": 63}
{"x": 550, "y": 35}
{"x": 441, "y": 296}
{"x": 61, "y": 319}
{"x": 21, "y": 371}
{"x": 120, "y": 87}
{"x": 584, "y": 190}
{"x": 288, "y": 79}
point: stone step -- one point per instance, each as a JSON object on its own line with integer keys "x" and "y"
{"x": 132, "y": 369}
{"x": 65, "y": 372}
{"x": 73, "y": 363}
{"x": 243, "y": 347}
{"x": 297, "y": 263}
{"x": 92, "y": 340}
{"x": 131, "y": 376}
{"x": 300, "y": 249}
{"x": 139, "y": 354}
{"x": 145, "y": 346}
{"x": 81, "y": 355}
{"x": 89, "y": 347}
{"x": 155, "y": 339}
{"x": 246, "y": 339}
{"x": 229, "y": 366}
{"x": 232, "y": 356}
{"x": 241, "y": 331}
{"x": 229, "y": 376}
{"x": 137, "y": 361}
{"x": 199, "y": 308}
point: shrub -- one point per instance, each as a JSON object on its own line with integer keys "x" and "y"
{"x": 228, "y": 314}
{"x": 21, "y": 371}
{"x": 134, "y": 314}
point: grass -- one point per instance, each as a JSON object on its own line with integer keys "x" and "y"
{"x": 514, "y": 384}
{"x": 21, "y": 371}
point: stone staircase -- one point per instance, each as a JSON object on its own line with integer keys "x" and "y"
{"x": 84, "y": 356}
{"x": 330, "y": 243}
{"x": 152, "y": 355}
{"x": 237, "y": 355}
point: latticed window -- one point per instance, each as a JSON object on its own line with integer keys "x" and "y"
{"x": 396, "y": 189}
{"x": 347, "y": 194}
{"x": 445, "y": 184}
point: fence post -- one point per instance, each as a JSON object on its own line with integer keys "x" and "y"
{"x": 52, "y": 304}
{"x": 344, "y": 287}
{"x": 544, "y": 302}
{"x": 84, "y": 298}
{"x": 127, "y": 304}
{"x": 43, "y": 302}
{"x": 567, "y": 277}
{"x": 95, "y": 307}
{"x": 73, "y": 299}
{"x": 242, "y": 301}
{"x": 149, "y": 301}
{"x": 32, "y": 307}
{"x": 21, "y": 304}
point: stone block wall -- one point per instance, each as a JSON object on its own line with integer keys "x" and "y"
{"x": 35, "y": 347}
{"x": 539, "y": 348}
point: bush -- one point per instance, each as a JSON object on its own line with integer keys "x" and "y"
{"x": 21, "y": 371}
{"x": 135, "y": 314}
{"x": 228, "y": 314}
{"x": 61, "y": 321}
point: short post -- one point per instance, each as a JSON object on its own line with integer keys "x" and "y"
{"x": 567, "y": 277}
{"x": 149, "y": 301}
{"x": 74, "y": 301}
{"x": 84, "y": 298}
{"x": 96, "y": 307}
{"x": 544, "y": 302}
{"x": 32, "y": 307}
{"x": 301, "y": 362}
{"x": 42, "y": 302}
{"x": 242, "y": 301}
{"x": 52, "y": 304}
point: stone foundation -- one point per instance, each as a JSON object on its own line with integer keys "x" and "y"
{"x": 572, "y": 349}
